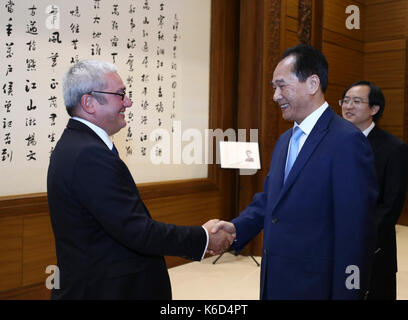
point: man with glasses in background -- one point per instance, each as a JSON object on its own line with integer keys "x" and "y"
{"x": 363, "y": 104}
{"x": 108, "y": 246}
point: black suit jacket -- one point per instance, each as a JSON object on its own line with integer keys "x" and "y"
{"x": 108, "y": 246}
{"x": 391, "y": 161}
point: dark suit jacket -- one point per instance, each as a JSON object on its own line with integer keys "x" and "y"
{"x": 320, "y": 222}
{"x": 108, "y": 246}
{"x": 391, "y": 162}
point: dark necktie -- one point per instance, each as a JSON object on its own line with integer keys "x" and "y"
{"x": 115, "y": 151}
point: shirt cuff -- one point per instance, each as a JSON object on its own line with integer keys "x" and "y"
{"x": 206, "y": 245}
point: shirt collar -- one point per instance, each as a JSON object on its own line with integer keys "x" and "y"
{"x": 368, "y": 130}
{"x": 99, "y": 131}
{"x": 309, "y": 122}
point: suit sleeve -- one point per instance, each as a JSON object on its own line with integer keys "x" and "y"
{"x": 251, "y": 220}
{"x": 354, "y": 199}
{"x": 394, "y": 188}
{"x": 109, "y": 194}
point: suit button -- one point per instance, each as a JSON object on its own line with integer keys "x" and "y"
{"x": 274, "y": 220}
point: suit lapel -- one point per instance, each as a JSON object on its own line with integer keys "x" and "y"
{"x": 316, "y": 135}
{"x": 374, "y": 137}
{"x": 77, "y": 125}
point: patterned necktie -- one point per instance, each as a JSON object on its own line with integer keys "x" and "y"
{"x": 115, "y": 151}
{"x": 293, "y": 149}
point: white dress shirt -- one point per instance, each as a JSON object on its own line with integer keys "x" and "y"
{"x": 368, "y": 130}
{"x": 308, "y": 124}
{"x": 99, "y": 131}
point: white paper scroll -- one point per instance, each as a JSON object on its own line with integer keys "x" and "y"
{"x": 161, "y": 48}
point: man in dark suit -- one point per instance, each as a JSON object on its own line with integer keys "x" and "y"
{"x": 363, "y": 104}
{"x": 108, "y": 246}
{"x": 319, "y": 195}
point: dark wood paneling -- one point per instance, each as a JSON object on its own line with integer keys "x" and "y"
{"x": 23, "y": 204}
{"x": 291, "y": 39}
{"x": 384, "y": 46}
{"x": 260, "y": 44}
{"x": 406, "y": 104}
{"x": 33, "y": 292}
{"x": 333, "y": 94}
{"x": 11, "y": 243}
{"x": 338, "y": 39}
{"x": 386, "y": 20}
{"x": 385, "y": 69}
{"x": 345, "y": 65}
{"x": 343, "y": 48}
{"x": 38, "y": 248}
{"x": 335, "y": 18}
{"x": 394, "y": 108}
{"x": 404, "y": 216}
{"x": 292, "y": 8}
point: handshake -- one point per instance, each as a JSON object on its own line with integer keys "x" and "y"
{"x": 221, "y": 233}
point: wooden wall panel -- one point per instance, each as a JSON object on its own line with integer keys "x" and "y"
{"x": 394, "y": 108}
{"x": 343, "y": 48}
{"x": 333, "y": 94}
{"x": 384, "y": 46}
{"x": 291, "y": 39}
{"x": 292, "y": 8}
{"x": 334, "y": 18}
{"x": 11, "y": 243}
{"x": 395, "y": 130}
{"x": 291, "y": 24}
{"x": 385, "y": 69}
{"x": 386, "y": 20}
{"x": 345, "y": 65}
{"x": 188, "y": 209}
{"x": 342, "y": 41}
{"x": 38, "y": 248}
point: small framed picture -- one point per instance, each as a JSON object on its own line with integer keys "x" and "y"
{"x": 239, "y": 155}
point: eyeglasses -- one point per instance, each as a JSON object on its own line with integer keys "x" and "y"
{"x": 346, "y": 101}
{"x": 121, "y": 94}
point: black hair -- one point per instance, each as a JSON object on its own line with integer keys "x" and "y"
{"x": 375, "y": 97}
{"x": 309, "y": 61}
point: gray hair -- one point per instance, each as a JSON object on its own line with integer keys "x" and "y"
{"x": 83, "y": 77}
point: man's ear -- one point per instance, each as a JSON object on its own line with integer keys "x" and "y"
{"x": 374, "y": 109}
{"x": 313, "y": 84}
{"x": 87, "y": 103}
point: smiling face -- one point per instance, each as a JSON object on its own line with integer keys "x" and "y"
{"x": 110, "y": 116}
{"x": 356, "y": 108}
{"x": 293, "y": 96}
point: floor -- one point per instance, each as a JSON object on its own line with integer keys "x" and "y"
{"x": 237, "y": 277}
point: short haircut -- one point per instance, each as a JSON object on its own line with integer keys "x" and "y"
{"x": 309, "y": 61}
{"x": 375, "y": 97}
{"x": 84, "y": 77}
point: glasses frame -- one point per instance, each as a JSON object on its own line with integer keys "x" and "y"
{"x": 341, "y": 101}
{"x": 122, "y": 95}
